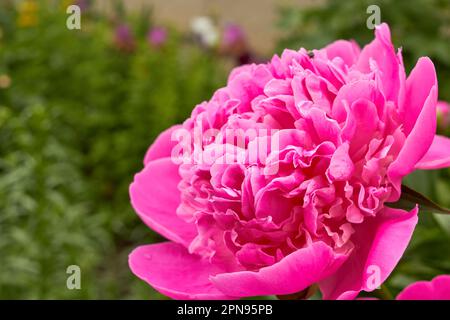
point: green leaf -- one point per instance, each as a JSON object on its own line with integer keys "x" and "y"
{"x": 410, "y": 198}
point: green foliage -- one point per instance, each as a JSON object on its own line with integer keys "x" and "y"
{"x": 422, "y": 28}
{"x": 75, "y": 123}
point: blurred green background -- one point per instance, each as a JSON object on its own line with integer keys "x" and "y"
{"x": 79, "y": 108}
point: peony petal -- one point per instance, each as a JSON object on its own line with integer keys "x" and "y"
{"x": 162, "y": 146}
{"x": 418, "y": 141}
{"x": 381, "y": 242}
{"x": 348, "y": 51}
{"x": 341, "y": 165}
{"x": 155, "y": 197}
{"x": 436, "y": 289}
{"x": 356, "y": 93}
{"x": 325, "y": 128}
{"x": 418, "y": 86}
{"x": 172, "y": 270}
{"x": 292, "y": 274}
{"x": 382, "y": 52}
{"x": 438, "y": 156}
{"x": 360, "y": 124}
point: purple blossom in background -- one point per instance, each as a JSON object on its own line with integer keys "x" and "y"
{"x": 234, "y": 44}
{"x": 124, "y": 38}
{"x": 83, "y": 4}
{"x": 157, "y": 36}
{"x": 232, "y": 34}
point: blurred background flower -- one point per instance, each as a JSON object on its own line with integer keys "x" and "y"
{"x": 28, "y": 13}
{"x": 232, "y": 35}
{"x": 124, "y": 38}
{"x": 205, "y": 31}
{"x": 5, "y": 81}
{"x": 83, "y": 4}
{"x": 443, "y": 113}
{"x": 157, "y": 36}
{"x": 234, "y": 43}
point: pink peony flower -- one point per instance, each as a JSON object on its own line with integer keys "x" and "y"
{"x": 338, "y": 129}
{"x": 443, "y": 113}
{"x": 436, "y": 289}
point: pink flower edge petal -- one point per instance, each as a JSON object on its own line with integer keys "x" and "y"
{"x": 436, "y": 289}
{"x": 162, "y": 146}
{"x": 292, "y": 274}
{"x": 155, "y": 197}
{"x": 418, "y": 141}
{"x": 173, "y": 271}
{"x": 438, "y": 156}
{"x": 381, "y": 243}
{"x": 347, "y": 50}
{"x": 418, "y": 85}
